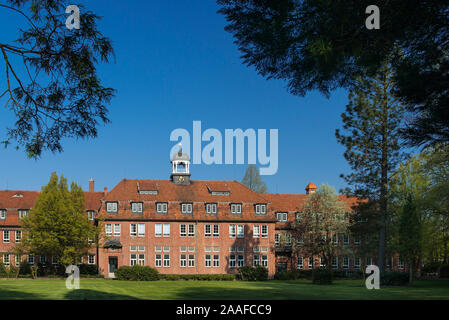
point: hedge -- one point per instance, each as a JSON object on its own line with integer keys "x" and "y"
{"x": 394, "y": 278}
{"x": 137, "y": 273}
{"x": 208, "y": 277}
{"x": 321, "y": 276}
{"x": 88, "y": 269}
{"x": 248, "y": 273}
{"x": 307, "y": 274}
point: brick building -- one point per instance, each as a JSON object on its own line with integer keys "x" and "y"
{"x": 183, "y": 226}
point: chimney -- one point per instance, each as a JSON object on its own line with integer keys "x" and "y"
{"x": 91, "y": 185}
{"x": 105, "y": 190}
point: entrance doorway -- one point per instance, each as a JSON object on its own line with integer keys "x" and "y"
{"x": 113, "y": 265}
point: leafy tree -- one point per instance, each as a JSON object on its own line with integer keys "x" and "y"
{"x": 322, "y": 218}
{"x": 410, "y": 236}
{"x": 52, "y": 86}
{"x": 323, "y": 45}
{"x": 253, "y": 181}
{"x": 57, "y": 225}
{"x": 371, "y": 126}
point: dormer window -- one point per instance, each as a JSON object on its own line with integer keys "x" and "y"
{"x": 91, "y": 215}
{"x": 111, "y": 207}
{"x": 2, "y": 214}
{"x": 236, "y": 208}
{"x": 261, "y": 208}
{"x": 220, "y": 193}
{"x": 23, "y": 213}
{"x": 282, "y": 216}
{"x": 162, "y": 208}
{"x": 186, "y": 208}
{"x": 211, "y": 208}
{"x": 136, "y": 207}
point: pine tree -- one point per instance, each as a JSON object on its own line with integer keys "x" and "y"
{"x": 57, "y": 226}
{"x": 371, "y": 126}
{"x": 253, "y": 181}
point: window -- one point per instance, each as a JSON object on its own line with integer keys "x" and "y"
{"x": 264, "y": 231}
{"x": 216, "y": 260}
{"x": 191, "y": 230}
{"x": 240, "y": 260}
{"x": 23, "y": 214}
{"x": 133, "y": 259}
{"x": 357, "y": 240}
{"x": 400, "y": 263}
{"x": 141, "y": 248}
{"x": 133, "y": 248}
{"x": 264, "y": 261}
{"x": 30, "y": 259}
{"x": 240, "y": 231}
{"x": 207, "y": 260}
{"x": 6, "y": 236}
{"x": 207, "y": 230}
{"x": 108, "y": 229}
{"x": 236, "y": 208}
{"x": 117, "y": 229}
{"x": 141, "y": 230}
{"x": 166, "y": 260}
{"x": 261, "y": 209}
{"x": 232, "y": 230}
{"x": 54, "y": 260}
{"x": 42, "y": 259}
{"x": 232, "y": 261}
{"x": 288, "y": 239}
{"x": 256, "y": 231}
{"x": 18, "y": 260}
{"x": 311, "y": 263}
{"x": 136, "y": 207}
{"x": 216, "y": 230}
{"x": 191, "y": 260}
{"x": 357, "y": 262}
{"x": 345, "y": 262}
{"x": 211, "y": 208}
{"x": 256, "y": 260}
{"x": 166, "y": 230}
{"x": 158, "y": 230}
{"x": 91, "y": 215}
{"x": 182, "y": 230}
{"x": 369, "y": 261}
{"x": 162, "y": 208}
{"x": 6, "y": 260}
{"x": 91, "y": 259}
{"x": 186, "y": 208}
{"x": 335, "y": 239}
{"x": 133, "y": 230}
{"x": 300, "y": 263}
{"x": 2, "y": 214}
{"x": 282, "y": 216}
{"x": 158, "y": 260}
{"x": 334, "y": 263}
{"x": 277, "y": 239}
{"x": 141, "y": 260}
{"x": 346, "y": 239}
{"x": 18, "y": 235}
{"x": 111, "y": 207}
{"x": 322, "y": 265}
{"x": 183, "y": 260}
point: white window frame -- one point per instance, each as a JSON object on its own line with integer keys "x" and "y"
{"x": 166, "y": 230}
{"x": 215, "y": 230}
{"x": 208, "y": 230}
{"x": 346, "y": 240}
{"x": 158, "y": 260}
{"x": 108, "y": 229}
{"x": 264, "y": 231}
{"x": 300, "y": 263}
{"x": 117, "y": 229}
{"x": 112, "y": 207}
{"x": 256, "y": 231}
{"x": 183, "y": 260}
{"x": 345, "y": 264}
{"x": 260, "y": 209}
{"x": 89, "y": 257}
{"x": 23, "y": 213}
{"x": 133, "y": 229}
{"x": 18, "y": 239}
{"x": 216, "y": 260}
{"x": 282, "y": 216}
{"x": 264, "y": 260}
{"x": 240, "y": 260}
{"x": 162, "y": 207}
{"x": 240, "y": 231}
{"x": 191, "y": 230}
{"x": 232, "y": 260}
{"x": 6, "y": 259}
{"x": 30, "y": 259}
{"x": 6, "y": 236}
{"x": 236, "y": 208}
{"x": 211, "y": 208}
{"x": 256, "y": 260}
{"x": 158, "y": 230}
{"x": 2, "y": 214}
{"x": 208, "y": 260}
{"x": 334, "y": 265}
{"x": 181, "y": 232}
{"x": 186, "y": 208}
{"x": 91, "y": 215}
{"x": 166, "y": 260}
{"x": 141, "y": 230}
{"x": 191, "y": 261}
{"x": 137, "y": 207}
{"x": 232, "y": 231}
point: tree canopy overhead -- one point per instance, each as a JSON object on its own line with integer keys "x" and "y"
{"x": 324, "y": 44}
{"x": 51, "y": 82}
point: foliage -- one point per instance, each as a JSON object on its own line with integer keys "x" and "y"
{"x": 248, "y": 273}
{"x": 207, "y": 277}
{"x": 394, "y": 278}
{"x": 25, "y": 268}
{"x": 58, "y": 93}
{"x": 137, "y": 273}
{"x": 3, "y": 270}
{"x": 88, "y": 269}
{"x": 323, "y": 45}
{"x": 253, "y": 181}
{"x": 322, "y": 276}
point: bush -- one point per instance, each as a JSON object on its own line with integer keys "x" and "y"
{"x": 248, "y": 273}
{"x": 3, "y": 271}
{"x": 431, "y": 267}
{"x": 24, "y": 268}
{"x": 444, "y": 271}
{"x": 137, "y": 273}
{"x": 394, "y": 278}
{"x": 207, "y": 277}
{"x": 322, "y": 276}
{"x": 88, "y": 269}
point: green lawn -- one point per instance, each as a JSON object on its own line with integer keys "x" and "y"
{"x": 219, "y": 290}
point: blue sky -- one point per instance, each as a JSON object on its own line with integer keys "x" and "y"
{"x": 176, "y": 64}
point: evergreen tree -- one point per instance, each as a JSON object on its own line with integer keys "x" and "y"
{"x": 58, "y": 225}
{"x": 253, "y": 181}
{"x": 371, "y": 126}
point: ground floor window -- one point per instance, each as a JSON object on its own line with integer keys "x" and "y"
{"x": 357, "y": 262}
{"x": 216, "y": 260}
{"x": 6, "y": 260}
{"x": 256, "y": 260}
{"x": 158, "y": 260}
{"x": 281, "y": 266}
{"x": 166, "y": 260}
{"x": 232, "y": 261}
{"x": 30, "y": 259}
{"x": 300, "y": 263}
{"x": 183, "y": 260}
{"x": 191, "y": 260}
{"x": 207, "y": 260}
{"x": 334, "y": 263}
{"x": 345, "y": 262}
{"x": 133, "y": 259}
{"x": 91, "y": 259}
{"x": 264, "y": 261}
{"x": 240, "y": 260}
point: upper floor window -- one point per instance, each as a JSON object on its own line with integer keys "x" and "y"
{"x": 111, "y": 207}
{"x": 346, "y": 239}
{"x": 18, "y": 235}
{"x": 357, "y": 240}
{"x": 282, "y": 216}
{"x": 141, "y": 230}
{"x": 236, "y": 208}
{"x": 117, "y": 229}
{"x": 186, "y": 208}
{"x": 23, "y": 213}
{"x": 240, "y": 231}
{"x": 6, "y": 236}
{"x": 261, "y": 208}
{"x": 2, "y": 214}
{"x": 136, "y": 207}
{"x": 211, "y": 208}
{"x": 335, "y": 239}
{"x": 108, "y": 228}
{"x": 91, "y": 215}
{"x": 162, "y": 207}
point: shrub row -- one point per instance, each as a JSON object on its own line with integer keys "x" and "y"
{"x": 322, "y": 276}
{"x": 394, "y": 278}
{"x": 248, "y": 273}
{"x": 308, "y": 274}
{"x": 215, "y": 277}
{"x": 137, "y": 273}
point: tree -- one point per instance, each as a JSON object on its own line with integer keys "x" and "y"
{"x": 410, "y": 236}
{"x": 57, "y": 225}
{"x": 52, "y": 86}
{"x": 323, "y": 45}
{"x": 371, "y": 126}
{"x": 253, "y": 181}
{"x": 322, "y": 218}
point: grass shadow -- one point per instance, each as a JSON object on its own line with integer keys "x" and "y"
{"x": 87, "y": 294}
